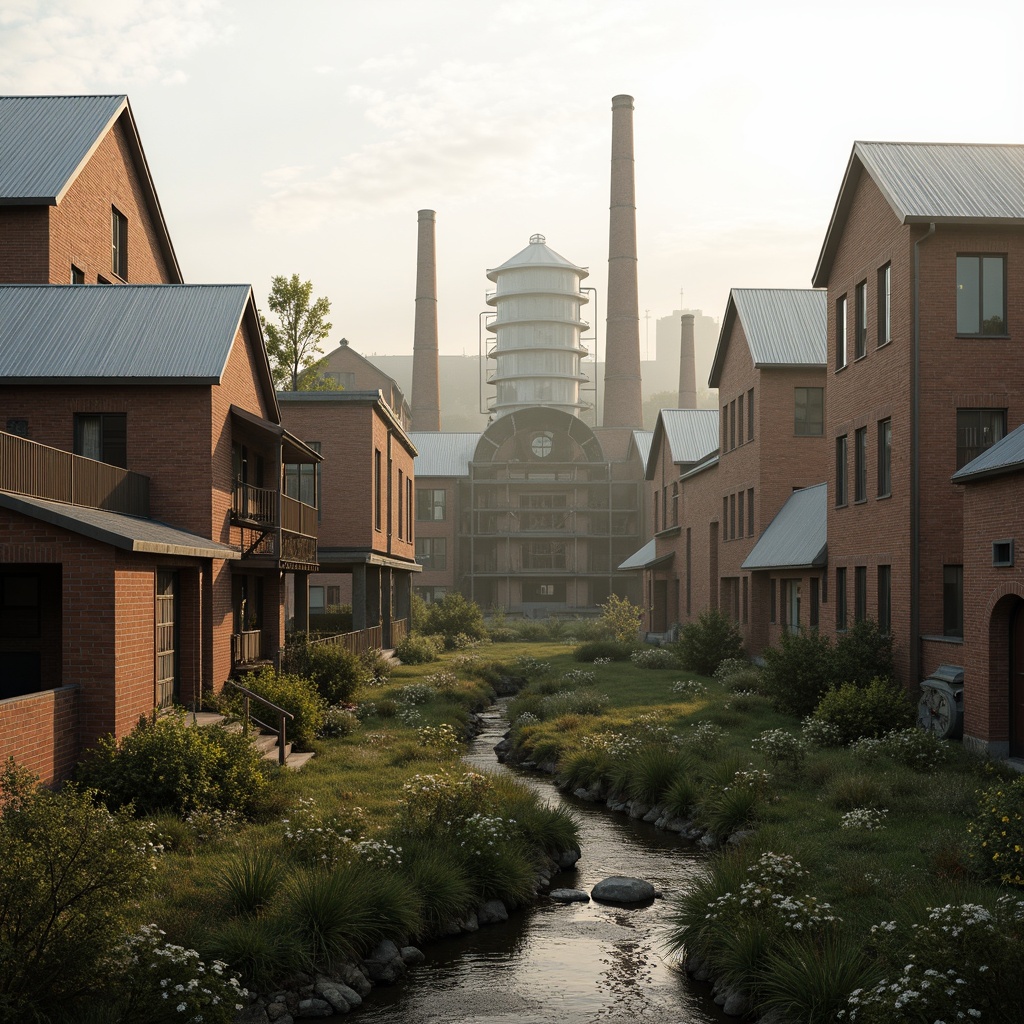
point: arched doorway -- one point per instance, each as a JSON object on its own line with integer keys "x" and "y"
{"x": 1017, "y": 679}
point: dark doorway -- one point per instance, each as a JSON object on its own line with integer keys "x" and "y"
{"x": 1017, "y": 680}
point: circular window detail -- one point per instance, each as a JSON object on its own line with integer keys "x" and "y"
{"x": 542, "y": 445}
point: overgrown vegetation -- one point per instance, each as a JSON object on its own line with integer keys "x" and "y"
{"x": 709, "y": 640}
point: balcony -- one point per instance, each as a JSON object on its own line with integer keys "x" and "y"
{"x": 288, "y": 544}
{"x": 39, "y": 471}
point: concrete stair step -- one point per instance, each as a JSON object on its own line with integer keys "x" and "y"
{"x": 266, "y": 743}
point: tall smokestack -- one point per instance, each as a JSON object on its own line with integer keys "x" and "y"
{"x": 622, "y": 394}
{"x": 426, "y": 402}
{"x": 687, "y": 364}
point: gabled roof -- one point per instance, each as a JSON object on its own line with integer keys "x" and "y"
{"x": 45, "y": 141}
{"x": 783, "y": 327}
{"x": 691, "y": 434}
{"x": 642, "y": 442}
{"x": 443, "y": 454}
{"x": 128, "y": 334}
{"x": 928, "y": 182}
{"x": 537, "y": 254}
{"x": 797, "y": 537}
{"x": 1005, "y": 456}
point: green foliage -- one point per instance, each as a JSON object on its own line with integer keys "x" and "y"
{"x": 682, "y": 796}
{"x": 170, "y": 765}
{"x": 653, "y": 657}
{"x": 293, "y": 693}
{"x": 334, "y": 670}
{"x": 293, "y": 342}
{"x": 417, "y": 649}
{"x": 441, "y": 881}
{"x": 997, "y": 832}
{"x": 337, "y": 619}
{"x": 262, "y": 949}
{"x": 584, "y": 701}
{"x": 853, "y": 711}
{"x": 798, "y": 673}
{"x": 862, "y": 653}
{"x": 653, "y": 769}
{"x": 729, "y": 810}
{"x": 620, "y": 619}
{"x": 417, "y": 613}
{"x": 251, "y": 880}
{"x": 708, "y": 641}
{"x": 452, "y": 615}
{"x": 377, "y": 667}
{"x": 71, "y": 875}
{"x": 590, "y": 651}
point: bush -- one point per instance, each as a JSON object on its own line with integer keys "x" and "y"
{"x": 590, "y": 651}
{"x": 798, "y": 673}
{"x": 452, "y": 615}
{"x": 377, "y": 665}
{"x": 417, "y": 649}
{"x": 337, "y": 619}
{"x": 997, "y": 832}
{"x": 620, "y": 619}
{"x": 862, "y": 653}
{"x": 168, "y": 765}
{"x": 71, "y": 875}
{"x": 653, "y": 657}
{"x": 299, "y": 696}
{"x": 852, "y": 712}
{"x": 334, "y": 670}
{"x": 704, "y": 644}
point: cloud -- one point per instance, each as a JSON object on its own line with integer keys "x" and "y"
{"x": 50, "y": 49}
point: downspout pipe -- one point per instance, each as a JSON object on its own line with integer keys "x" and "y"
{"x": 915, "y": 472}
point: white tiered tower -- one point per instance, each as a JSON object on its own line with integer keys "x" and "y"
{"x": 537, "y": 347}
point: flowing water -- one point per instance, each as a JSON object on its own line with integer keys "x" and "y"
{"x": 563, "y": 964}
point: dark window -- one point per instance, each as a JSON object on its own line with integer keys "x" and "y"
{"x": 840, "y": 599}
{"x": 885, "y": 598}
{"x": 841, "y": 470}
{"x": 746, "y": 592}
{"x": 401, "y": 505}
{"x": 19, "y": 606}
{"x": 981, "y": 295}
{"x": 377, "y": 498}
{"x": 675, "y": 504}
{"x": 739, "y": 434}
{"x": 77, "y": 275}
{"x": 860, "y": 593}
{"x": 885, "y": 304}
{"x": 840, "y": 332}
{"x": 119, "y": 243}
{"x": 771, "y": 601}
{"x": 430, "y": 504}
{"x": 750, "y": 511}
{"x": 408, "y": 508}
{"x": 808, "y": 411}
{"x": 884, "y": 458}
{"x": 860, "y": 464}
{"x": 544, "y": 554}
{"x": 732, "y": 516}
{"x": 656, "y": 493}
{"x": 18, "y": 427}
{"x": 750, "y": 415}
{"x": 432, "y": 552}
{"x": 102, "y": 436}
{"x": 732, "y": 424}
{"x": 301, "y": 480}
{"x": 953, "y": 600}
{"x": 431, "y": 594}
{"x": 689, "y": 575}
{"x": 977, "y": 430}
{"x": 815, "y": 603}
{"x": 1002, "y": 552}
{"x": 725, "y": 519}
{"x": 739, "y": 515}
{"x": 860, "y": 325}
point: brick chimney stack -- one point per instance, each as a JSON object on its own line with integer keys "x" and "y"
{"x": 687, "y": 364}
{"x": 622, "y": 392}
{"x": 426, "y": 402}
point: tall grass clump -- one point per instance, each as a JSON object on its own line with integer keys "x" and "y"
{"x": 441, "y": 880}
{"x": 251, "y": 880}
{"x": 652, "y": 770}
{"x": 263, "y": 950}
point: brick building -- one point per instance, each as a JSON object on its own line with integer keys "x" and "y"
{"x": 347, "y": 370}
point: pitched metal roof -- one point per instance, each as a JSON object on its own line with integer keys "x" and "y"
{"x": 642, "y": 439}
{"x": 167, "y": 333}
{"x": 44, "y": 140}
{"x": 537, "y": 254}
{"x": 1005, "y": 456}
{"x": 692, "y": 433}
{"x": 640, "y": 558}
{"x": 797, "y": 537}
{"x": 928, "y": 182}
{"x": 126, "y": 532}
{"x": 783, "y": 327}
{"x": 443, "y": 454}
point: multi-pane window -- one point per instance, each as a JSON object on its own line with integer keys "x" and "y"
{"x": 791, "y": 605}
{"x": 860, "y": 321}
{"x": 102, "y": 436}
{"x": 725, "y": 518}
{"x": 981, "y": 295}
{"x": 841, "y": 598}
{"x": 544, "y": 554}
{"x": 408, "y": 507}
{"x": 840, "y": 333}
{"x": 119, "y": 243}
{"x": 860, "y": 593}
{"x": 377, "y": 495}
{"x": 860, "y": 464}
{"x": 401, "y": 505}
{"x": 675, "y": 504}
{"x": 885, "y": 598}
{"x": 432, "y": 552}
{"x": 977, "y": 430}
{"x": 885, "y": 304}
{"x": 808, "y": 411}
{"x": 953, "y": 600}
{"x": 302, "y": 480}
{"x": 430, "y": 504}
{"x": 841, "y": 470}
{"x": 884, "y": 458}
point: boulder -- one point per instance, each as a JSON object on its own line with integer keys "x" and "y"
{"x": 354, "y": 978}
{"x": 314, "y": 1007}
{"x": 412, "y": 955}
{"x": 569, "y": 896}
{"x": 567, "y": 858}
{"x": 338, "y": 994}
{"x": 492, "y": 912}
{"x": 471, "y": 924}
{"x": 254, "y": 1014}
{"x": 617, "y": 889}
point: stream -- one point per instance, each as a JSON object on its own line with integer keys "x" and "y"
{"x": 570, "y": 964}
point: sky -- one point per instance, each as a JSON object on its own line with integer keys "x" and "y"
{"x": 303, "y": 136}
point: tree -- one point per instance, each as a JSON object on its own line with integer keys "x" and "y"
{"x": 293, "y": 343}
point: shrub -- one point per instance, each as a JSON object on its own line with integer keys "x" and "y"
{"x": 705, "y": 643}
{"x": 915, "y": 748}
{"x": 453, "y": 615}
{"x": 780, "y": 747}
{"x": 682, "y": 796}
{"x": 798, "y": 673}
{"x": 334, "y": 670}
{"x": 417, "y": 649}
{"x": 590, "y": 651}
{"x": 620, "y": 619}
{"x": 531, "y": 632}
{"x": 71, "y": 875}
{"x": 729, "y": 810}
{"x": 338, "y": 721}
{"x": 170, "y": 765}
{"x": 728, "y": 667}
{"x": 250, "y": 881}
{"x": 652, "y": 771}
{"x": 442, "y": 882}
{"x": 377, "y": 665}
{"x": 442, "y": 796}
{"x": 263, "y": 949}
{"x": 322, "y": 839}
{"x": 851, "y": 712}
{"x": 997, "y": 832}
{"x": 653, "y": 657}
{"x": 301, "y": 697}
{"x": 584, "y": 701}
{"x": 502, "y": 634}
{"x": 862, "y": 653}
{"x": 337, "y": 619}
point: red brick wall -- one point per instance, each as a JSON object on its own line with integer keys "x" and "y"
{"x": 40, "y": 731}
{"x": 25, "y": 245}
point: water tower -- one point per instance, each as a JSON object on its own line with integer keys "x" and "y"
{"x": 537, "y": 346}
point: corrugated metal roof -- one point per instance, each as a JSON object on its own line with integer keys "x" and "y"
{"x": 640, "y": 558}
{"x": 692, "y": 433}
{"x": 126, "y": 532}
{"x": 797, "y": 536}
{"x": 137, "y": 333}
{"x": 537, "y": 254}
{"x": 1005, "y": 456}
{"x": 783, "y": 327}
{"x": 642, "y": 439}
{"x": 443, "y": 454}
{"x": 45, "y": 139}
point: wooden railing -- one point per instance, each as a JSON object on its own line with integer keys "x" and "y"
{"x": 358, "y": 641}
{"x": 246, "y": 646}
{"x": 281, "y": 731}
{"x": 298, "y": 517}
{"x": 251, "y": 504}
{"x": 27, "y": 467}
{"x": 399, "y": 631}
